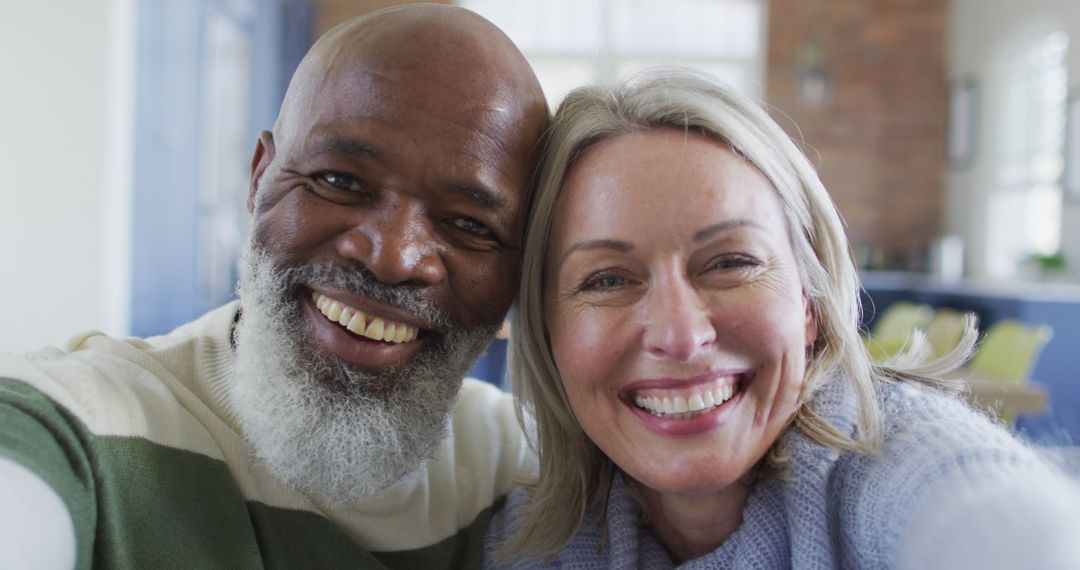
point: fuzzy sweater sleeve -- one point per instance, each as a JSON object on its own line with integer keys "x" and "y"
{"x": 951, "y": 489}
{"x": 1017, "y": 518}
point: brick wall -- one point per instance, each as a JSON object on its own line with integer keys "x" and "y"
{"x": 877, "y": 137}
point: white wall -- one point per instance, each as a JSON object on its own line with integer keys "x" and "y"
{"x": 65, "y": 120}
{"x": 979, "y": 31}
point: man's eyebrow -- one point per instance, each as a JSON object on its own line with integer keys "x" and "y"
{"x": 722, "y": 227}
{"x": 481, "y": 195}
{"x": 343, "y": 145}
{"x": 616, "y": 245}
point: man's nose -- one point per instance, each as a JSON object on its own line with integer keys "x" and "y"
{"x": 398, "y": 243}
{"x": 677, "y": 319}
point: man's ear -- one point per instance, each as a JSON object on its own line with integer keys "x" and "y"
{"x": 264, "y": 154}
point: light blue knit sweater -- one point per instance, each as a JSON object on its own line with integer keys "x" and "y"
{"x": 949, "y": 489}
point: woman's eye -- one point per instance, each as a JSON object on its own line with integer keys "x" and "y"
{"x": 732, "y": 262}
{"x": 603, "y": 282}
{"x": 472, "y": 227}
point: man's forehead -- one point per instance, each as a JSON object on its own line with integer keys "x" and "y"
{"x": 364, "y": 91}
{"x": 481, "y": 120}
{"x": 374, "y": 131}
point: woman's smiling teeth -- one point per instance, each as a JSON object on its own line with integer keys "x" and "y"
{"x": 375, "y": 328}
{"x": 687, "y": 403}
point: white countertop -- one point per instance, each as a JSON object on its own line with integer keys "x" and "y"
{"x": 1045, "y": 291}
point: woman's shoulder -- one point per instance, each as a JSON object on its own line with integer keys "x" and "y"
{"x": 927, "y": 434}
{"x": 506, "y": 520}
{"x": 610, "y": 536}
{"x": 926, "y": 421}
{"x": 915, "y": 421}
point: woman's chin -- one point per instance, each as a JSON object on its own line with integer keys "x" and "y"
{"x": 687, "y": 478}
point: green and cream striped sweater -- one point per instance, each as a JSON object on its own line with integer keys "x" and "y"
{"x": 135, "y": 438}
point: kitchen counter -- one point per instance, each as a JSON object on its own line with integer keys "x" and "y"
{"x": 1022, "y": 290}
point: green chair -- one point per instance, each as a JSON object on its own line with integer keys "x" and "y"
{"x": 1009, "y": 351}
{"x": 945, "y": 331}
{"x": 892, "y": 331}
{"x": 999, "y": 375}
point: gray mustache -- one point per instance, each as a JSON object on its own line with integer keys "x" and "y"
{"x": 358, "y": 279}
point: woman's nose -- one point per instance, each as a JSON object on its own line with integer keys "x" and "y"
{"x": 398, "y": 243}
{"x": 678, "y": 322}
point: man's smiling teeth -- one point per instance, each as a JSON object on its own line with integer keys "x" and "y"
{"x": 375, "y": 328}
{"x": 687, "y": 403}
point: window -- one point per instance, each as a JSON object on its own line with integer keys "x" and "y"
{"x": 571, "y": 42}
{"x": 1026, "y": 199}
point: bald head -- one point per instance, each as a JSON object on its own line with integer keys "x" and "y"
{"x": 435, "y": 52}
{"x": 432, "y": 34}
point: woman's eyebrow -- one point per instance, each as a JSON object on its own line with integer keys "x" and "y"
{"x": 623, "y": 246}
{"x": 726, "y": 226}
{"x": 616, "y": 245}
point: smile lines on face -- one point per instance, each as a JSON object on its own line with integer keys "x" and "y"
{"x": 375, "y": 328}
{"x": 686, "y": 403}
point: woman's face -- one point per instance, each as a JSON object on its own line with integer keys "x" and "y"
{"x": 676, "y": 315}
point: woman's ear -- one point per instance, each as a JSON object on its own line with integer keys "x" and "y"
{"x": 811, "y": 322}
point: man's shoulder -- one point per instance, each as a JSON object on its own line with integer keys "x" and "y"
{"x": 114, "y": 385}
{"x": 484, "y": 413}
{"x": 479, "y": 399}
{"x": 484, "y": 430}
{"x": 87, "y": 351}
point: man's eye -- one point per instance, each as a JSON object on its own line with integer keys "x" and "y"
{"x": 343, "y": 182}
{"x": 472, "y": 227}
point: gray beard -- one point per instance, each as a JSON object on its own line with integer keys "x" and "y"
{"x": 322, "y": 426}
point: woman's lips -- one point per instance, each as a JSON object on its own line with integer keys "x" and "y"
{"x": 682, "y": 407}
{"x": 686, "y": 404}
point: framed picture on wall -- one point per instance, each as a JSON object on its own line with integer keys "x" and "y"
{"x": 963, "y": 114}
{"x": 1070, "y": 179}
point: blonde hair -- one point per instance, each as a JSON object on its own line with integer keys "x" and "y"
{"x": 574, "y": 474}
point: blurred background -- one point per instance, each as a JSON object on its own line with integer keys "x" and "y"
{"x": 941, "y": 127}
